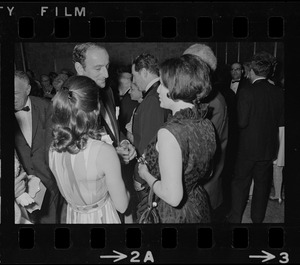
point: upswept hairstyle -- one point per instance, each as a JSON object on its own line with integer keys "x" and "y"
{"x": 75, "y": 115}
{"x": 262, "y": 63}
{"x": 205, "y": 53}
{"x": 147, "y": 61}
{"x": 22, "y": 75}
{"x": 186, "y": 77}
{"x": 79, "y": 52}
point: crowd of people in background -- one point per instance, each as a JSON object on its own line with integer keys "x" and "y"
{"x": 48, "y": 84}
{"x": 209, "y": 139}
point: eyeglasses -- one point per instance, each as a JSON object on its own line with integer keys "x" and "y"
{"x": 236, "y": 69}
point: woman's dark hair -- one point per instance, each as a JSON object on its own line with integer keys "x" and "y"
{"x": 75, "y": 115}
{"x": 187, "y": 78}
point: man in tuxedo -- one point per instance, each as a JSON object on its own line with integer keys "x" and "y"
{"x": 218, "y": 115}
{"x": 30, "y": 144}
{"x": 236, "y": 75}
{"x": 92, "y": 60}
{"x": 260, "y": 109}
{"x": 149, "y": 116}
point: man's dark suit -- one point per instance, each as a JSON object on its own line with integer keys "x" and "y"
{"x": 260, "y": 114}
{"x": 218, "y": 115}
{"x": 34, "y": 160}
{"x": 107, "y": 100}
{"x": 147, "y": 120}
{"x": 240, "y": 84}
{"x": 127, "y": 105}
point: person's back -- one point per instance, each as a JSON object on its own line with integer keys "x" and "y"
{"x": 196, "y": 138}
{"x": 82, "y": 181}
{"x": 260, "y": 111}
{"x": 259, "y": 128}
{"x": 87, "y": 170}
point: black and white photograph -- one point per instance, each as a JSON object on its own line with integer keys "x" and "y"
{"x": 149, "y": 132}
{"x": 195, "y": 130}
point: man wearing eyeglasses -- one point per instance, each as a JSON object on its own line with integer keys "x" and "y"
{"x": 236, "y": 75}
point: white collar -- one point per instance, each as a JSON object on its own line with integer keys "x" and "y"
{"x": 151, "y": 83}
{"x": 28, "y": 103}
{"x": 258, "y": 78}
{"x": 122, "y": 94}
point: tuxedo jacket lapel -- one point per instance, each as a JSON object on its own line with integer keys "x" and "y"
{"x": 104, "y": 123}
{"x": 19, "y": 136}
{"x": 34, "y": 115}
{"x": 20, "y": 141}
{"x": 107, "y": 99}
{"x": 113, "y": 121}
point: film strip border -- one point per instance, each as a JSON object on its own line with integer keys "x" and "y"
{"x": 154, "y": 243}
{"x": 146, "y": 22}
{"x": 133, "y": 27}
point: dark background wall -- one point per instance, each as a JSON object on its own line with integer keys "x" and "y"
{"x": 43, "y": 58}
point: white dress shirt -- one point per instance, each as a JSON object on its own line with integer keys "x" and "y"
{"x": 258, "y": 78}
{"x": 234, "y": 85}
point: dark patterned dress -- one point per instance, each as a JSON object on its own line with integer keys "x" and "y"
{"x": 196, "y": 138}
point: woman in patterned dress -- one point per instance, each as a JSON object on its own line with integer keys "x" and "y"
{"x": 87, "y": 170}
{"x": 180, "y": 157}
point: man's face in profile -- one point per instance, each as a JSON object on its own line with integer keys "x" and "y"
{"x": 96, "y": 66}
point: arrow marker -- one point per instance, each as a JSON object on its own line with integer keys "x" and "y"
{"x": 268, "y": 256}
{"x": 118, "y": 257}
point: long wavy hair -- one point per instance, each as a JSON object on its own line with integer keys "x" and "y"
{"x": 75, "y": 115}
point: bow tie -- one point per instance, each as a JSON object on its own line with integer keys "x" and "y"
{"x": 24, "y": 109}
{"x": 235, "y": 81}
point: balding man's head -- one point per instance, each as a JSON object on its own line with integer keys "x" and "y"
{"x": 22, "y": 89}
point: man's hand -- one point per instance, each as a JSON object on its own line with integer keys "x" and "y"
{"x": 132, "y": 152}
{"x": 20, "y": 184}
{"x": 126, "y": 150}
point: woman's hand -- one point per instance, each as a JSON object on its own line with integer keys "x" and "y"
{"x": 143, "y": 170}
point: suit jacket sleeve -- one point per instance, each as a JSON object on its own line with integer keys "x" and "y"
{"x": 244, "y": 107}
{"x": 48, "y": 132}
{"x": 219, "y": 116}
{"x": 122, "y": 136}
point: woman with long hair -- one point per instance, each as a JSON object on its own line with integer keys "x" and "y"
{"x": 87, "y": 169}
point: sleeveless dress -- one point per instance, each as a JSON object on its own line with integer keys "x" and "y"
{"x": 82, "y": 186}
{"x": 196, "y": 139}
